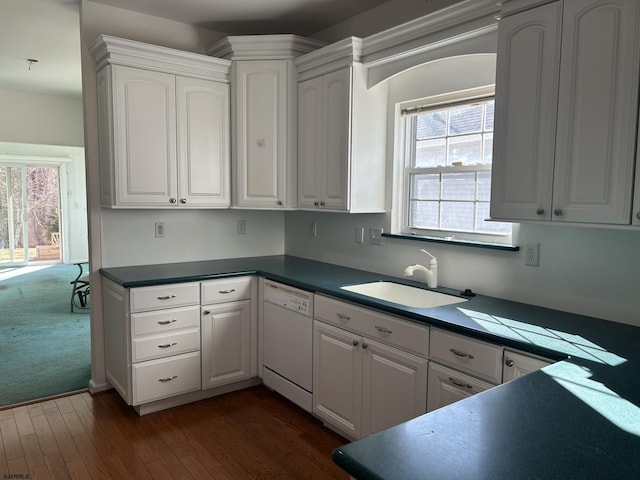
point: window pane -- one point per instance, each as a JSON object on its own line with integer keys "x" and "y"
{"x": 431, "y": 125}
{"x": 464, "y": 120}
{"x": 457, "y": 216}
{"x": 466, "y": 149}
{"x": 488, "y": 120}
{"x": 488, "y": 149}
{"x": 445, "y": 198}
{"x": 423, "y": 215}
{"x": 431, "y": 153}
{"x": 425, "y": 187}
{"x": 459, "y": 186}
{"x": 484, "y": 186}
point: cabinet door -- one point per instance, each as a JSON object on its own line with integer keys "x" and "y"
{"x": 144, "y": 116}
{"x": 525, "y": 117}
{"x": 394, "y": 387}
{"x": 203, "y": 143}
{"x": 337, "y": 378}
{"x": 446, "y": 386}
{"x": 261, "y": 133}
{"x": 597, "y": 111}
{"x": 517, "y": 365}
{"x": 336, "y": 108}
{"x": 309, "y": 143}
{"x": 226, "y": 343}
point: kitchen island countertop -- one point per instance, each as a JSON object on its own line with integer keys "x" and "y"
{"x": 577, "y": 418}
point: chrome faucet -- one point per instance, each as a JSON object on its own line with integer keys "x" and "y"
{"x": 431, "y": 273}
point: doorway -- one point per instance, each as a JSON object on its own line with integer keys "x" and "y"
{"x": 29, "y": 214}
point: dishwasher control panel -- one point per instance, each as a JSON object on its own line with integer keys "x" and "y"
{"x": 289, "y": 297}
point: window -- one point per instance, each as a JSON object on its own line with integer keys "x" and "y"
{"x": 447, "y": 175}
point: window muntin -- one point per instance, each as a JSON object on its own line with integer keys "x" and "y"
{"x": 448, "y": 169}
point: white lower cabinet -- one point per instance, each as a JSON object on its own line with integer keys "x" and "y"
{"x": 226, "y": 331}
{"x": 164, "y": 341}
{"x": 517, "y": 364}
{"x": 361, "y": 385}
{"x": 152, "y": 340}
{"x": 226, "y": 343}
{"x": 447, "y": 386}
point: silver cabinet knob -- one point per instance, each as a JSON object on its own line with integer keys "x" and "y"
{"x": 183, "y": 200}
{"x": 207, "y": 312}
{"x": 322, "y": 204}
{"x": 355, "y": 343}
{"x": 173, "y": 200}
{"x": 557, "y": 212}
{"x": 316, "y": 203}
{"x": 508, "y": 362}
{"x": 638, "y": 215}
{"x": 279, "y": 202}
{"x": 365, "y": 345}
{"x": 540, "y": 211}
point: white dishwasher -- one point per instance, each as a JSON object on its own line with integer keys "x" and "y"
{"x": 287, "y": 342}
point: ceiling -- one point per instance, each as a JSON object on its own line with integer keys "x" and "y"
{"x": 48, "y": 30}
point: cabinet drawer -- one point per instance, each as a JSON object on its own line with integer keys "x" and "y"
{"x": 164, "y": 296}
{"x": 166, "y": 377}
{"x": 467, "y": 354}
{"x": 226, "y": 290}
{"x": 375, "y": 325}
{"x": 156, "y": 346}
{"x": 446, "y": 386}
{"x": 164, "y": 320}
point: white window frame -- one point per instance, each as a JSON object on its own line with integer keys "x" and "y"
{"x": 405, "y": 155}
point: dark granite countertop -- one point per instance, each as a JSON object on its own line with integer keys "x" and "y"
{"x": 578, "y": 418}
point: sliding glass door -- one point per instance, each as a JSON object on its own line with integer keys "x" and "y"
{"x": 29, "y": 214}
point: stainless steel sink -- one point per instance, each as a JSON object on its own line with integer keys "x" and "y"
{"x": 404, "y": 294}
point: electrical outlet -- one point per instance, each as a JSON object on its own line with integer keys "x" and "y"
{"x": 241, "y": 227}
{"x": 159, "y": 228}
{"x": 532, "y": 254}
{"x": 375, "y": 236}
{"x": 360, "y": 235}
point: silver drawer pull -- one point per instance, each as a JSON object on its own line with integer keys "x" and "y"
{"x": 461, "y": 354}
{"x": 342, "y": 316}
{"x": 167, "y": 379}
{"x": 383, "y": 329}
{"x": 227, "y": 291}
{"x": 167, "y": 345}
{"x": 463, "y": 385}
{"x": 167, "y": 322}
{"x": 166, "y": 297}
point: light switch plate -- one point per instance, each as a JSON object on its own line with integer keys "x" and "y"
{"x": 159, "y": 228}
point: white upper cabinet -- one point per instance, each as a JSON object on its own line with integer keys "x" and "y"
{"x": 264, "y": 160}
{"x": 163, "y": 125}
{"x": 203, "y": 142}
{"x": 264, "y": 99}
{"x": 566, "y": 112}
{"x": 341, "y": 132}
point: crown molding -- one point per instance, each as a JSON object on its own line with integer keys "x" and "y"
{"x": 330, "y": 58}
{"x": 109, "y": 50}
{"x": 424, "y": 30}
{"x": 263, "y": 47}
{"x": 468, "y": 27}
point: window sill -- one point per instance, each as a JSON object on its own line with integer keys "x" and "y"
{"x": 466, "y": 243}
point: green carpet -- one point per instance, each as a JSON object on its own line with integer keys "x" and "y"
{"x": 44, "y": 348}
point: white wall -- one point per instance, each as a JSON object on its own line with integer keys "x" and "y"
{"x": 125, "y": 237}
{"x": 590, "y": 271}
{"x": 129, "y": 238}
{"x": 35, "y": 118}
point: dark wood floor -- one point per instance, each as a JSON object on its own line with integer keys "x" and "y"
{"x": 250, "y": 434}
